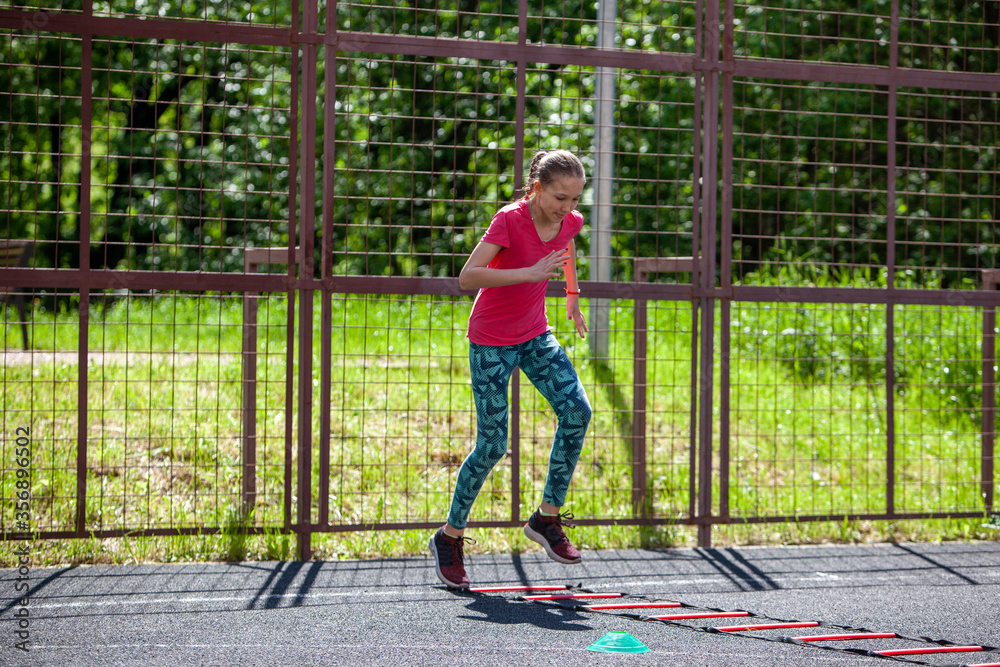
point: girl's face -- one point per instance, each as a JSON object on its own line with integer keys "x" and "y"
{"x": 555, "y": 200}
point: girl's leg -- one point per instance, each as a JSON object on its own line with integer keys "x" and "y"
{"x": 550, "y": 370}
{"x": 491, "y": 369}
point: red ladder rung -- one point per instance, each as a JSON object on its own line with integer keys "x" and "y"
{"x": 507, "y": 589}
{"x": 932, "y": 649}
{"x": 856, "y": 635}
{"x": 633, "y": 605}
{"x": 767, "y": 626}
{"x": 573, "y": 596}
{"x": 714, "y": 614}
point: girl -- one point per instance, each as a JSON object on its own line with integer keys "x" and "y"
{"x": 527, "y": 243}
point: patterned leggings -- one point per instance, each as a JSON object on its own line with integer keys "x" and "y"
{"x": 545, "y": 363}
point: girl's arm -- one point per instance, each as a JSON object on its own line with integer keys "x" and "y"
{"x": 477, "y": 274}
{"x": 573, "y": 311}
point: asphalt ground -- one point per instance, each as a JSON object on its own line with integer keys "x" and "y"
{"x": 394, "y": 612}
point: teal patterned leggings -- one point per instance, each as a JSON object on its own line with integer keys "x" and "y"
{"x": 545, "y": 363}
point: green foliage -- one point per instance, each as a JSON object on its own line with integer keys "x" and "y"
{"x": 192, "y": 143}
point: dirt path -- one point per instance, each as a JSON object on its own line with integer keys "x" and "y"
{"x": 38, "y": 358}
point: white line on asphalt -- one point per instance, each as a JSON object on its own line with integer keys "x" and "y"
{"x": 244, "y": 599}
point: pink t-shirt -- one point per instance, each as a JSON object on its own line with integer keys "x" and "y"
{"x": 513, "y": 314}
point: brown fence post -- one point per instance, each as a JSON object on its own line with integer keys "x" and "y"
{"x": 711, "y": 66}
{"x": 990, "y": 279}
{"x": 515, "y": 445}
{"x": 890, "y": 265}
{"x": 640, "y": 503}
{"x": 726, "y": 253}
{"x": 307, "y": 282}
{"x": 248, "y": 441}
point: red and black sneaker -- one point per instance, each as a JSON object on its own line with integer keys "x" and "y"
{"x": 547, "y": 531}
{"x": 449, "y": 559}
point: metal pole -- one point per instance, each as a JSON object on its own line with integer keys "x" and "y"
{"x": 249, "y": 468}
{"x": 293, "y": 254}
{"x": 696, "y": 218}
{"x": 308, "y": 185}
{"x": 83, "y": 406}
{"x": 326, "y": 268}
{"x": 989, "y": 405}
{"x": 988, "y": 433}
{"x": 515, "y": 380}
{"x": 726, "y": 260}
{"x": 640, "y": 503}
{"x": 604, "y": 166}
{"x": 890, "y": 262}
{"x": 710, "y": 152}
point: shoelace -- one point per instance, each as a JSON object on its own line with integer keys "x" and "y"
{"x": 457, "y": 553}
{"x": 556, "y": 523}
{"x": 565, "y": 519}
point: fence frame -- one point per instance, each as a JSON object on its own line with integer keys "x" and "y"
{"x": 714, "y": 67}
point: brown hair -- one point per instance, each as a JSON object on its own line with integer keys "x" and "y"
{"x": 547, "y": 166}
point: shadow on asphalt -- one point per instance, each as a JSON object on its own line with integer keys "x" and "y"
{"x": 507, "y": 612}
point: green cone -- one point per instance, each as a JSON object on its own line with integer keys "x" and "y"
{"x": 618, "y": 642}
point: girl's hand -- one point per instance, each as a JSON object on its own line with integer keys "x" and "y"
{"x": 547, "y": 267}
{"x": 575, "y": 314}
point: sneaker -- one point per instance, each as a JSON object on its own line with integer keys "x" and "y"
{"x": 448, "y": 559}
{"x": 547, "y": 531}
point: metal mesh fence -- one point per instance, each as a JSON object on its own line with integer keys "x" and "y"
{"x": 190, "y": 146}
{"x": 809, "y": 181}
{"x": 946, "y": 172}
{"x": 232, "y": 231}
{"x": 422, "y": 166}
{"x": 401, "y": 414}
{"x": 40, "y": 407}
{"x": 248, "y": 12}
{"x": 938, "y": 379}
{"x": 808, "y": 410}
{"x": 42, "y": 143}
{"x": 939, "y": 36}
{"x": 818, "y": 32}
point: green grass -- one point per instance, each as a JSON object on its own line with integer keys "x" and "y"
{"x": 807, "y": 425}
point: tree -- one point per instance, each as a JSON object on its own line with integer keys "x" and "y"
{"x": 191, "y": 142}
